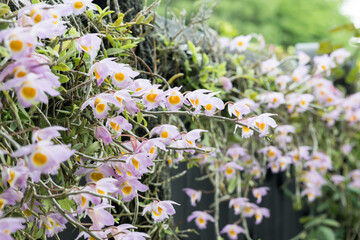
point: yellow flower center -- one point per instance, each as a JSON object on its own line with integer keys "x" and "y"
{"x": 16, "y": 45}
{"x": 96, "y": 176}
{"x": 2, "y": 203}
{"x": 119, "y": 76}
{"x": 115, "y": 126}
{"x": 12, "y": 177}
{"x": 100, "y": 107}
{"x": 37, "y": 18}
{"x": 271, "y": 153}
{"x": 158, "y": 213}
{"x": 39, "y": 159}
{"x": 245, "y": 129}
{"x": 97, "y": 75}
{"x": 78, "y": 5}
{"x": 151, "y": 97}
{"x": 165, "y": 134}
{"x": 240, "y": 43}
{"x": 83, "y": 201}
{"x": 209, "y": 107}
{"x": 232, "y": 232}
{"x": 174, "y": 100}
{"x": 229, "y": 170}
{"x": 127, "y": 190}
{"x": 136, "y": 163}
{"x": 201, "y": 220}
{"x": 323, "y": 67}
{"x": 28, "y": 92}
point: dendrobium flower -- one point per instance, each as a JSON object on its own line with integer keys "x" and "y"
{"x": 258, "y": 193}
{"x": 201, "y": 218}
{"x": 263, "y": 123}
{"x": 118, "y": 124}
{"x": 191, "y": 137}
{"x": 270, "y": 67}
{"x": 303, "y": 102}
{"x": 174, "y": 99}
{"x": 323, "y": 64}
{"x": 238, "y": 109}
{"x": 153, "y": 97}
{"x": 44, "y": 157}
{"x": 282, "y": 80}
{"x": 129, "y": 187}
{"x": 346, "y": 148}
{"x": 240, "y": 43}
{"x": 99, "y": 216}
{"x": 140, "y": 86}
{"x": 211, "y": 103}
{"x": 339, "y": 55}
{"x": 123, "y": 75}
{"x": 260, "y": 213}
{"x": 245, "y": 127}
{"x": 194, "y": 195}
{"x": 10, "y": 225}
{"x": 126, "y": 102}
{"x": 282, "y": 134}
{"x": 100, "y": 105}
{"x": 31, "y": 89}
{"x": 53, "y": 222}
{"x": 194, "y": 98}
{"x": 167, "y": 133}
{"x": 45, "y": 19}
{"x": 232, "y": 230}
{"x": 160, "y": 210}
{"x": 303, "y": 58}
{"x": 121, "y": 232}
{"x": 230, "y": 168}
{"x": 226, "y": 83}
{"x": 238, "y": 204}
{"x": 102, "y": 134}
{"x": 337, "y": 179}
{"x": 9, "y": 197}
{"x": 273, "y": 99}
{"x": 249, "y": 210}
{"x": 140, "y": 161}
{"x": 79, "y": 6}
{"x": 46, "y": 133}
{"x": 235, "y": 151}
{"x": 19, "y": 41}
{"x": 89, "y": 43}
{"x": 271, "y": 152}
{"x": 15, "y": 176}
{"x": 300, "y": 74}
{"x": 102, "y": 69}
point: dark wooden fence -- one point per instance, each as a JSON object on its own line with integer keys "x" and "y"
{"x": 283, "y": 223}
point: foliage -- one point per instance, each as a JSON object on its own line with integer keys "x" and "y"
{"x": 284, "y": 22}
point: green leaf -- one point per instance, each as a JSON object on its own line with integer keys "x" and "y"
{"x": 4, "y": 9}
{"x": 331, "y": 223}
{"x": 140, "y": 117}
{"x": 4, "y": 52}
{"x": 325, "y": 233}
{"x": 314, "y": 222}
{"x": 61, "y": 67}
{"x": 232, "y": 185}
{"x": 111, "y": 40}
{"x": 92, "y": 148}
{"x": 62, "y": 78}
{"x": 114, "y": 51}
{"x": 119, "y": 20}
{"x": 351, "y": 77}
{"x": 65, "y": 204}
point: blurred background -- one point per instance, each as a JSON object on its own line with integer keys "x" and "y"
{"x": 284, "y": 22}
